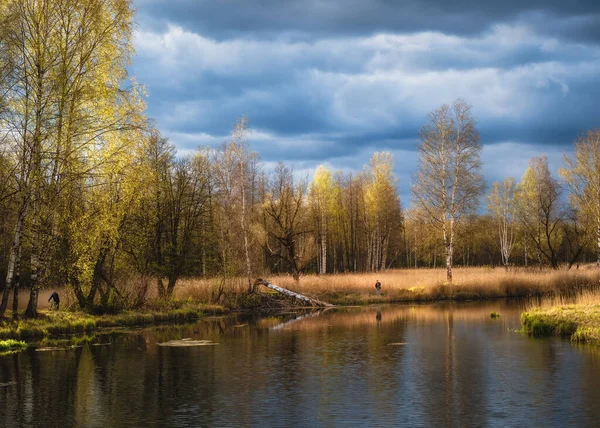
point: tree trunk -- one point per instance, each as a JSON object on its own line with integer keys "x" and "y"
{"x": 12, "y": 260}
{"x": 31, "y": 311}
{"x": 245, "y": 229}
{"x": 449, "y": 251}
{"x": 160, "y": 287}
{"x": 78, "y": 291}
{"x": 598, "y": 243}
{"x": 312, "y": 302}
{"x": 291, "y": 250}
{"x": 449, "y": 240}
{"x": 171, "y": 285}
{"x": 324, "y": 252}
{"x": 15, "y": 310}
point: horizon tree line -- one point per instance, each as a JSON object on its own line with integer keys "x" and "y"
{"x": 95, "y": 199}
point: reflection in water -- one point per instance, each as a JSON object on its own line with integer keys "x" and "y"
{"x": 451, "y": 365}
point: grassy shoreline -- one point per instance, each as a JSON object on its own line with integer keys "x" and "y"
{"x": 194, "y": 297}
{"x": 10, "y": 346}
{"x": 51, "y": 324}
{"x": 579, "y": 321}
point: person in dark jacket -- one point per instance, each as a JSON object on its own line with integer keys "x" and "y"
{"x": 56, "y": 300}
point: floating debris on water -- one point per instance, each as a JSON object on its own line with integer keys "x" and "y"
{"x": 187, "y": 342}
{"x": 58, "y": 348}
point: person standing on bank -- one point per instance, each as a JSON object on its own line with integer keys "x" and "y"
{"x": 56, "y": 302}
{"x": 377, "y": 287}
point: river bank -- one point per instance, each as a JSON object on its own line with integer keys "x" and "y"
{"x": 579, "y": 321}
{"x": 57, "y": 323}
{"x": 195, "y": 297}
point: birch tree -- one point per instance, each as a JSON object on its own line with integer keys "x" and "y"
{"x": 321, "y": 201}
{"x": 235, "y": 171}
{"x": 448, "y": 182}
{"x": 66, "y": 90}
{"x": 244, "y": 159}
{"x": 383, "y": 213}
{"x": 501, "y": 207}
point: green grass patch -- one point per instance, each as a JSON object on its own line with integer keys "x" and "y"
{"x": 77, "y": 323}
{"x": 580, "y": 323}
{"x": 11, "y": 345}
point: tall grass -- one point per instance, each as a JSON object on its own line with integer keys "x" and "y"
{"x": 417, "y": 285}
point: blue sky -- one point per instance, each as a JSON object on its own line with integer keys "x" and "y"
{"x": 332, "y": 81}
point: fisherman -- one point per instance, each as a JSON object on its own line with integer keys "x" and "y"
{"x": 56, "y": 300}
{"x": 377, "y": 287}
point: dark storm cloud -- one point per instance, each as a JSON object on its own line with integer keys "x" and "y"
{"x": 312, "y": 18}
{"x": 330, "y": 82}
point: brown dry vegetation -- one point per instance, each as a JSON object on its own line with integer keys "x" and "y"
{"x": 408, "y": 285}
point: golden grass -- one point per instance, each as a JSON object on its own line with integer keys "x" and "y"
{"x": 409, "y": 285}
{"x": 586, "y": 298}
{"x": 425, "y": 279}
{"x": 208, "y": 290}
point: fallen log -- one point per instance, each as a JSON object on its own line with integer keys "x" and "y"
{"x": 289, "y": 293}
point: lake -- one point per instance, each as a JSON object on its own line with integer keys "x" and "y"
{"x": 430, "y": 365}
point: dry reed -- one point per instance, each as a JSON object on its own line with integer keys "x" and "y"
{"x": 415, "y": 285}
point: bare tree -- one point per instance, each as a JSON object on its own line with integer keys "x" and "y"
{"x": 539, "y": 209}
{"x": 286, "y": 208}
{"x": 448, "y": 182}
{"x": 244, "y": 159}
{"x": 582, "y": 177}
{"x": 235, "y": 171}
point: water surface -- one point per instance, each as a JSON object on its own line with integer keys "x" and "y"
{"x": 434, "y": 365}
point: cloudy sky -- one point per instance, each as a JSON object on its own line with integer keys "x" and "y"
{"x": 332, "y": 81}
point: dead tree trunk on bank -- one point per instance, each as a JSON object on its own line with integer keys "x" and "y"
{"x": 289, "y": 293}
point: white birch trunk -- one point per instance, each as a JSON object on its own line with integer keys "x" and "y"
{"x": 312, "y": 302}
{"x": 12, "y": 260}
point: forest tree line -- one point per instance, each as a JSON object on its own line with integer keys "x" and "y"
{"x": 94, "y": 198}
